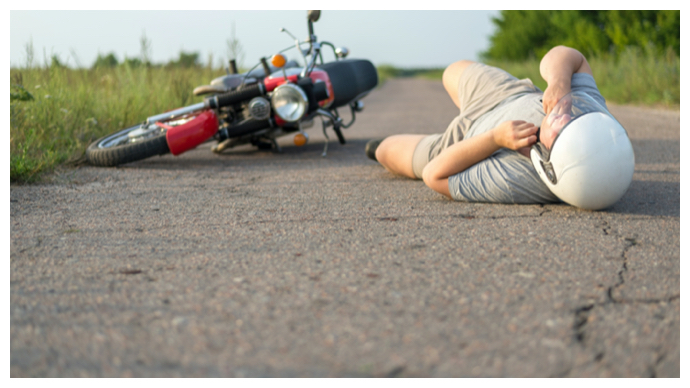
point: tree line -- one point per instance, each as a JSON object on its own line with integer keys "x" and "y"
{"x": 521, "y": 35}
{"x": 185, "y": 60}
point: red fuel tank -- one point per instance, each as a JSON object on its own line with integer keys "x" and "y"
{"x": 184, "y": 137}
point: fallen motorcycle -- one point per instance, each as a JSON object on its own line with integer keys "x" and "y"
{"x": 256, "y": 107}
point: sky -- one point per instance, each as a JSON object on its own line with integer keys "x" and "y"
{"x": 408, "y": 39}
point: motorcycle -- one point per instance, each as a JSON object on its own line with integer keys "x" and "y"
{"x": 256, "y": 107}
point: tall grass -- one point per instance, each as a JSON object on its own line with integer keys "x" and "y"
{"x": 55, "y": 112}
{"x": 637, "y": 77}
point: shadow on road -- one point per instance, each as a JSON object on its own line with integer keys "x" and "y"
{"x": 292, "y": 157}
{"x": 651, "y": 198}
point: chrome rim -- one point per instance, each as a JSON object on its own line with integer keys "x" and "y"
{"x": 131, "y": 135}
{"x": 138, "y": 133}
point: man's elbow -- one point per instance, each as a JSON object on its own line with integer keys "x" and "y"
{"x": 438, "y": 184}
{"x": 563, "y": 49}
{"x": 563, "y": 57}
{"x": 428, "y": 176}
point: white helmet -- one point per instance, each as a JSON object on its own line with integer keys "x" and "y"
{"x": 591, "y": 162}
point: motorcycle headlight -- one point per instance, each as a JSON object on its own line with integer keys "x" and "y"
{"x": 290, "y": 102}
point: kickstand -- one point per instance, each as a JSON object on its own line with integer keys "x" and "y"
{"x": 276, "y": 146}
{"x": 325, "y": 144}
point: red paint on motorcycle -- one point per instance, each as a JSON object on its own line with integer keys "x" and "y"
{"x": 272, "y": 83}
{"x": 317, "y": 75}
{"x": 279, "y": 122}
{"x": 192, "y": 133}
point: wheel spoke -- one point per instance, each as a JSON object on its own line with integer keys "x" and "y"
{"x": 130, "y": 135}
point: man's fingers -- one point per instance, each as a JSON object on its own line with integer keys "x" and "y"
{"x": 523, "y": 136}
{"x": 527, "y": 141}
{"x": 517, "y": 134}
{"x": 527, "y": 129}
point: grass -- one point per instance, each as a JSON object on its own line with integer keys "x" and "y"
{"x": 55, "y": 112}
{"x": 636, "y": 78}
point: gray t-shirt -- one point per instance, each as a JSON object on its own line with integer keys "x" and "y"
{"x": 508, "y": 176}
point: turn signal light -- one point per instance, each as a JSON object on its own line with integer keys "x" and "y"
{"x": 278, "y": 60}
{"x": 300, "y": 139}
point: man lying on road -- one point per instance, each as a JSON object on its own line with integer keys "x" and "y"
{"x": 484, "y": 155}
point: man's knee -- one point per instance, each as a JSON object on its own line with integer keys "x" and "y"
{"x": 451, "y": 76}
{"x": 395, "y": 153}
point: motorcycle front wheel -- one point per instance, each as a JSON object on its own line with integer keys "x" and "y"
{"x": 128, "y": 145}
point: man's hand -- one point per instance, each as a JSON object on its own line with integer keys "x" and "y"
{"x": 515, "y": 135}
{"x": 553, "y": 93}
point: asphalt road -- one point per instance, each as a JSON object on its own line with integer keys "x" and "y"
{"x": 258, "y": 264}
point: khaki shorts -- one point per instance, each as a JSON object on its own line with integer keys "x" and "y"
{"x": 480, "y": 89}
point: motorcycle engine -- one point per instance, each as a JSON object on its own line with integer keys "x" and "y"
{"x": 259, "y": 108}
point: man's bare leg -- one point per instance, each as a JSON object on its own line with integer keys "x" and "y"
{"x": 395, "y": 153}
{"x": 451, "y": 77}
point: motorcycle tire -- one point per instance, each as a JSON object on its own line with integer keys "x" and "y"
{"x": 351, "y": 79}
{"x": 120, "y": 148}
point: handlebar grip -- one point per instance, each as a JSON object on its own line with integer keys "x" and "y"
{"x": 248, "y": 127}
{"x": 235, "y": 96}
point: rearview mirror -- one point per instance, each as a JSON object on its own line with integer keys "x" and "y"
{"x": 313, "y": 15}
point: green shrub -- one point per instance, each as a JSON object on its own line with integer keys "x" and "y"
{"x": 520, "y": 34}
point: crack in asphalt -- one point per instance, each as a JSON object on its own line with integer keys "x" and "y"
{"x": 630, "y": 242}
{"x": 653, "y": 368}
{"x": 384, "y": 218}
{"x": 581, "y": 318}
{"x": 395, "y": 372}
{"x": 582, "y": 314}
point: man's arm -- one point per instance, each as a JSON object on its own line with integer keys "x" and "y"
{"x": 466, "y": 153}
{"x": 557, "y": 68}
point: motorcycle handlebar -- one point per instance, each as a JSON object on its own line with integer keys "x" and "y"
{"x": 236, "y": 96}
